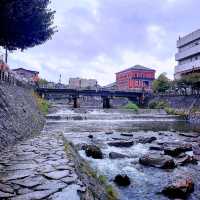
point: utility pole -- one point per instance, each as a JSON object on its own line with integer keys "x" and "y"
{"x": 60, "y": 79}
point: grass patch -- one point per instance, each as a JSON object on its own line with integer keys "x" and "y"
{"x": 158, "y": 105}
{"x": 111, "y": 193}
{"x": 84, "y": 169}
{"x": 132, "y": 106}
{"x": 170, "y": 111}
{"x": 42, "y": 104}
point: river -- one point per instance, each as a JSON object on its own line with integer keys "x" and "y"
{"x": 146, "y": 182}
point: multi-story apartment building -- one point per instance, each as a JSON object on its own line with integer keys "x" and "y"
{"x": 137, "y": 77}
{"x": 188, "y": 56}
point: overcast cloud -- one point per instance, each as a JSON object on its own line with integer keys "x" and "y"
{"x": 97, "y": 38}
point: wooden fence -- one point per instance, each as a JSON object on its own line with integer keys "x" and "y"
{"x": 7, "y": 77}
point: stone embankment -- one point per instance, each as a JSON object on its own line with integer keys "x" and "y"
{"x": 38, "y": 168}
{"x": 194, "y": 117}
{"x": 19, "y": 114}
{"x": 180, "y": 102}
{"x": 188, "y": 104}
{"x": 47, "y": 167}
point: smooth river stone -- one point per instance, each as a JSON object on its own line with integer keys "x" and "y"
{"x": 193, "y": 135}
{"x": 121, "y": 144}
{"x": 6, "y": 188}
{"x": 19, "y": 174}
{"x": 69, "y": 180}
{"x": 37, "y": 195}
{"x": 4, "y": 195}
{"x": 21, "y": 167}
{"x": 70, "y": 191}
{"x": 50, "y": 185}
{"x": 57, "y": 174}
{"x": 30, "y": 181}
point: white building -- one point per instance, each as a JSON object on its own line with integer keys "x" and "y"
{"x": 188, "y": 55}
{"x": 80, "y": 83}
{"x": 74, "y": 83}
{"x": 88, "y": 83}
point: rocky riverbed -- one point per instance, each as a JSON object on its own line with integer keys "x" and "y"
{"x": 146, "y": 156}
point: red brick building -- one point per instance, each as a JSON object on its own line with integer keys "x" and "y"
{"x": 137, "y": 77}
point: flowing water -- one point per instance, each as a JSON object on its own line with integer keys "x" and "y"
{"x": 146, "y": 182}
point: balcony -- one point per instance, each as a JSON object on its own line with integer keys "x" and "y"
{"x": 187, "y": 67}
{"x": 187, "y": 53}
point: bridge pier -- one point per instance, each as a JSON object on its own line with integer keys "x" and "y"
{"x": 76, "y": 102}
{"x": 106, "y": 102}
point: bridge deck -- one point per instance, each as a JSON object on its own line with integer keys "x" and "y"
{"x": 102, "y": 93}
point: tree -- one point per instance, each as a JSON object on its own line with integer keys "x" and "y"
{"x": 25, "y": 23}
{"x": 43, "y": 81}
{"x": 161, "y": 84}
{"x": 191, "y": 81}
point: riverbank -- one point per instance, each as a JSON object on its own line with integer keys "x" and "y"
{"x": 95, "y": 187}
{"x": 114, "y": 141}
{"x": 186, "y": 106}
{"x": 20, "y": 116}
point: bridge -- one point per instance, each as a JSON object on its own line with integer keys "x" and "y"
{"x": 106, "y": 95}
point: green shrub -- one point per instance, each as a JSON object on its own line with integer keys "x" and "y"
{"x": 112, "y": 194}
{"x": 132, "y": 106}
{"x": 170, "y": 111}
{"x": 42, "y": 104}
{"x": 158, "y": 105}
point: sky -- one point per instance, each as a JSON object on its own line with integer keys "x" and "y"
{"x": 97, "y": 38}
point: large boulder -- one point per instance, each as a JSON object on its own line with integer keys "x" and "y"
{"x": 93, "y": 151}
{"x": 196, "y": 149}
{"x": 181, "y": 187}
{"x": 109, "y": 132}
{"x": 121, "y": 143}
{"x": 184, "y": 159}
{"x": 157, "y": 160}
{"x": 156, "y": 148}
{"x": 122, "y": 180}
{"x": 127, "y": 134}
{"x": 114, "y": 155}
{"x": 90, "y": 136}
{"x": 191, "y": 135}
{"x": 78, "y": 117}
{"x": 145, "y": 140}
{"x": 176, "y": 149}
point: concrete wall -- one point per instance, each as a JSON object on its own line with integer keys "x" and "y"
{"x": 19, "y": 115}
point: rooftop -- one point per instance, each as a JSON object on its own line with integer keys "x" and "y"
{"x": 31, "y": 71}
{"x": 137, "y": 67}
{"x": 182, "y": 41}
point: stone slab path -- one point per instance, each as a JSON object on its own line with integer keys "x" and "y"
{"x": 38, "y": 169}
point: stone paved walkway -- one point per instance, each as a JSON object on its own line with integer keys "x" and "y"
{"x": 38, "y": 169}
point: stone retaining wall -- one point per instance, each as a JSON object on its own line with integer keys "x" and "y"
{"x": 179, "y": 102}
{"x": 19, "y": 115}
{"x": 184, "y": 103}
{"x": 194, "y": 118}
